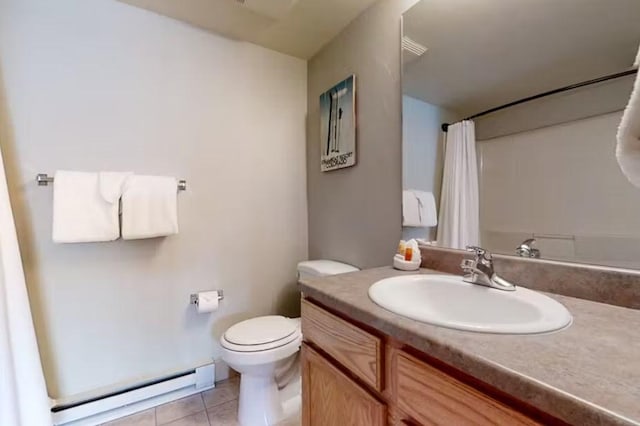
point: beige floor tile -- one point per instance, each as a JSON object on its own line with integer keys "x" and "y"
{"x": 225, "y": 414}
{"x": 223, "y": 392}
{"x": 197, "y": 419}
{"x": 178, "y": 409}
{"x": 143, "y": 418}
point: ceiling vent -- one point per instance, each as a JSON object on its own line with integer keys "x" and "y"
{"x": 275, "y": 9}
{"x": 412, "y": 46}
{"x": 411, "y": 50}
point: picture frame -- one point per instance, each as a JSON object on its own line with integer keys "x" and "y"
{"x": 338, "y": 126}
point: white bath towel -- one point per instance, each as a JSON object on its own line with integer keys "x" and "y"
{"x": 80, "y": 213}
{"x": 628, "y": 148}
{"x": 112, "y": 184}
{"x": 418, "y": 209}
{"x": 149, "y": 207}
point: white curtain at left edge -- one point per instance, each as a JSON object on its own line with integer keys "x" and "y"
{"x": 23, "y": 393}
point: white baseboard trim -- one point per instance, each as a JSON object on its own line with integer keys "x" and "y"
{"x": 113, "y": 407}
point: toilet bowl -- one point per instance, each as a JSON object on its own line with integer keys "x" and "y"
{"x": 264, "y": 350}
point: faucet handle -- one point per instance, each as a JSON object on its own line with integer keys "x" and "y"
{"x": 476, "y": 249}
{"x": 528, "y": 242}
{"x": 526, "y": 249}
{"x": 479, "y": 252}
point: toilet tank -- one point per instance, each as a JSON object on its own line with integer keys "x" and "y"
{"x": 323, "y": 268}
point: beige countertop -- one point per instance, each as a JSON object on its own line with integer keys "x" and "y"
{"x": 588, "y": 374}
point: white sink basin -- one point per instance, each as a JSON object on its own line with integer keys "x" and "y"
{"x": 448, "y": 301}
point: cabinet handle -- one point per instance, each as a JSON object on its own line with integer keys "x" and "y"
{"x": 410, "y": 422}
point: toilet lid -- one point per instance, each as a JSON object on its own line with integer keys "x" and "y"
{"x": 261, "y": 330}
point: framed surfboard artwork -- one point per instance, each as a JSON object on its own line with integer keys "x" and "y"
{"x": 338, "y": 126}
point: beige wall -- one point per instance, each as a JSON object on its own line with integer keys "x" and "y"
{"x": 354, "y": 213}
{"x": 101, "y": 85}
{"x": 561, "y": 184}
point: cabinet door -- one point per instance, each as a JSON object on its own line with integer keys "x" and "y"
{"x": 329, "y": 398}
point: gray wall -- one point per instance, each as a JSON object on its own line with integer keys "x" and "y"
{"x": 354, "y": 213}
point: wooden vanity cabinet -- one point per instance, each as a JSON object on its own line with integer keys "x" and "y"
{"x": 353, "y": 377}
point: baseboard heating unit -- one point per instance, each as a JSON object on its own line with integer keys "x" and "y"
{"x": 139, "y": 397}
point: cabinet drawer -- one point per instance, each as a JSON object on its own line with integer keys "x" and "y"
{"x": 355, "y": 349}
{"x": 432, "y": 397}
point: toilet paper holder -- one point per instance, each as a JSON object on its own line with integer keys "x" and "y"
{"x": 193, "y": 299}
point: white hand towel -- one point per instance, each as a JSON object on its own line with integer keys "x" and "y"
{"x": 112, "y": 184}
{"x": 628, "y": 148}
{"x": 418, "y": 209}
{"x": 410, "y": 209}
{"x": 149, "y": 207}
{"x": 80, "y": 213}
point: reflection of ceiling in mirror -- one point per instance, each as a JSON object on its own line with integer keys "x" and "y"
{"x": 486, "y": 53}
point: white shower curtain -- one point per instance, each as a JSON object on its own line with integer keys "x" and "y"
{"x": 23, "y": 395}
{"x": 459, "y": 202}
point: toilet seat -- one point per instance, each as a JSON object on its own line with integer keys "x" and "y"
{"x": 261, "y": 334}
{"x": 260, "y": 357}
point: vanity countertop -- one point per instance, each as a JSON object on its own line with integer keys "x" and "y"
{"x": 588, "y": 374}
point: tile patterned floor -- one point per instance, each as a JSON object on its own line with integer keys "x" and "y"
{"x": 215, "y": 407}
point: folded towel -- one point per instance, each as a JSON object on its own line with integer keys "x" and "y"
{"x": 149, "y": 207}
{"x": 410, "y": 209}
{"x": 80, "y": 213}
{"x": 111, "y": 184}
{"x": 418, "y": 209}
{"x": 628, "y": 147}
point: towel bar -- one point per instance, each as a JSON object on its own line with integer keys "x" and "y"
{"x": 44, "y": 179}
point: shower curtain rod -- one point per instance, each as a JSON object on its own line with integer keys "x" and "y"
{"x": 445, "y": 126}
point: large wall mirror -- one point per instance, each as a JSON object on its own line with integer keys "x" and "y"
{"x": 530, "y": 94}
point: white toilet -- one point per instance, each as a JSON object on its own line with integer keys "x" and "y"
{"x": 264, "y": 351}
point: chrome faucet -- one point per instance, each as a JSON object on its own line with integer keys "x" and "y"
{"x": 526, "y": 249}
{"x": 480, "y": 270}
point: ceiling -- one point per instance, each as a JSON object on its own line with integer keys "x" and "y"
{"x": 482, "y": 54}
{"x": 296, "y": 27}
